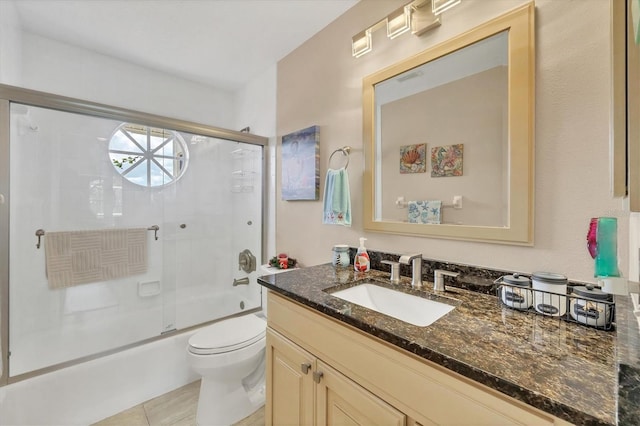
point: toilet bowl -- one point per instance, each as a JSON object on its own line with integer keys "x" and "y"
{"x": 230, "y": 357}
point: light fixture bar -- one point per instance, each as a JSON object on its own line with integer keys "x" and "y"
{"x": 419, "y": 16}
{"x": 439, "y": 6}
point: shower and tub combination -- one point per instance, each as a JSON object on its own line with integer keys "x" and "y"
{"x": 119, "y": 230}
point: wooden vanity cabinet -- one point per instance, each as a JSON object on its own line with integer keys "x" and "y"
{"x": 290, "y": 386}
{"x": 321, "y": 371}
{"x": 303, "y": 388}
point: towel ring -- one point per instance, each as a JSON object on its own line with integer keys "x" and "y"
{"x": 345, "y": 150}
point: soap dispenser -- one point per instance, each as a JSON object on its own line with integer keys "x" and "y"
{"x": 361, "y": 263}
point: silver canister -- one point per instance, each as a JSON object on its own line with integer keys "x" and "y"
{"x": 549, "y": 290}
{"x": 516, "y": 291}
{"x": 591, "y": 306}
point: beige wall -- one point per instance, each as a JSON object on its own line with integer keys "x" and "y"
{"x": 321, "y": 84}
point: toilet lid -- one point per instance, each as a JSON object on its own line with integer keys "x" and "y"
{"x": 228, "y": 335}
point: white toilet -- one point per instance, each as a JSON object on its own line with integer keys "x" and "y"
{"x": 230, "y": 357}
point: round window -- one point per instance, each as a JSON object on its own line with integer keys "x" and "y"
{"x": 148, "y": 156}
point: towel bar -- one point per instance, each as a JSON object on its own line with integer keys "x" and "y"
{"x": 345, "y": 150}
{"x": 155, "y": 228}
{"x": 456, "y": 204}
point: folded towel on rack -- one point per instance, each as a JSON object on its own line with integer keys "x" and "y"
{"x": 80, "y": 257}
{"x": 424, "y": 211}
{"x": 337, "y": 199}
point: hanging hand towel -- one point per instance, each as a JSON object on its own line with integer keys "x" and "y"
{"x": 80, "y": 257}
{"x": 337, "y": 200}
{"x": 424, "y": 211}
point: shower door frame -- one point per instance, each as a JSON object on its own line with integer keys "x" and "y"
{"x": 9, "y": 94}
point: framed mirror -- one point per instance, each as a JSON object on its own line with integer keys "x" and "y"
{"x": 449, "y": 137}
{"x": 625, "y": 114}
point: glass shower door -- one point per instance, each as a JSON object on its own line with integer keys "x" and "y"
{"x": 195, "y": 201}
{"x": 223, "y": 220}
{"x": 63, "y": 181}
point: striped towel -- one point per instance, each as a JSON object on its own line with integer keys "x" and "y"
{"x": 80, "y": 257}
{"x": 337, "y": 199}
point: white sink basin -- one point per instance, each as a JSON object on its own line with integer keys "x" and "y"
{"x": 405, "y": 307}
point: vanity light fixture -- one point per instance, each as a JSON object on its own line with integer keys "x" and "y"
{"x": 361, "y": 43}
{"x": 439, "y": 6}
{"x": 416, "y": 16}
{"x": 399, "y": 22}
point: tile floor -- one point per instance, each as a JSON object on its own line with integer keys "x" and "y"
{"x": 176, "y": 408}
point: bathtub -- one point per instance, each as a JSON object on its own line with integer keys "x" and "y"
{"x": 93, "y": 390}
{"x": 88, "y": 392}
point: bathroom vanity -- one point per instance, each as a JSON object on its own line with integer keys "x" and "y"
{"x": 482, "y": 363}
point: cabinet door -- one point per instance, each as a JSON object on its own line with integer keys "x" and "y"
{"x": 290, "y": 386}
{"x": 341, "y": 402}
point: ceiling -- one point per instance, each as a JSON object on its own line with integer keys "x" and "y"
{"x": 220, "y": 43}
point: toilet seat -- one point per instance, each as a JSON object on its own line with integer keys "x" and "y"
{"x": 228, "y": 335}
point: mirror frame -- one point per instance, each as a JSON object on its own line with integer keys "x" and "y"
{"x": 521, "y": 108}
{"x": 625, "y": 109}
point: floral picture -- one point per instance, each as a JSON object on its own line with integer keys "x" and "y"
{"x": 301, "y": 164}
{"x": 412, "y": 158}
{"x": 446, "y": 160}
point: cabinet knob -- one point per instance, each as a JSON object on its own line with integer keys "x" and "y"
{"x": 305, "y": 367}
{"x": 317, "y": 376}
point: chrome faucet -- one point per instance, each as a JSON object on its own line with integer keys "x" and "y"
{"x": 416, "y": 270}
{"x": 438, "y": 280}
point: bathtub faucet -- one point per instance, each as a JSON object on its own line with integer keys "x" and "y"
{"x": 241, "y": 281}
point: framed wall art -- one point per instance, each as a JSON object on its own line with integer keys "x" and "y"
{"x": 301, "y": 165}
{"x": 446, "y": 160}
{"x": 412, "y": 158}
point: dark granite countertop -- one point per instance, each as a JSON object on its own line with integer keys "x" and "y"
{"x": 628, "y": 351}
{"x": 565, "y": 369}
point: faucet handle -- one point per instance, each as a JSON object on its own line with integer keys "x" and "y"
{"x": 442, "y": 272}
{"x": 438, "y": 280}
{"x": 395, "y": 270}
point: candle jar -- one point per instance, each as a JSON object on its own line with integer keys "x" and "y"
{"x": 283, "y": 261}
{"x": 340, "y": 255}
